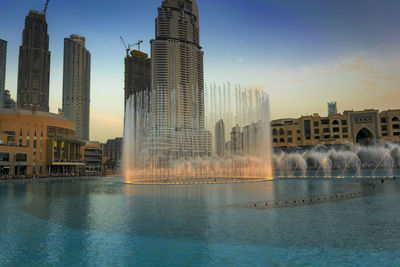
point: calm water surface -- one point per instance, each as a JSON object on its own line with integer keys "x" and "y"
{"x": 106, "y": 222}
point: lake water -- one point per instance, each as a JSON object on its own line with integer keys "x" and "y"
{"x": 106, "y": 222}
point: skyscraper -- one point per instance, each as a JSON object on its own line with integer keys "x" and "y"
{"x": 332, "y": 108}
{"x": 3, "y": 60}
{"x": 76, "y": 84}
{"x": 137, "y": 73}
{"x": 220, "y": 138}
{"x": 177, "y": 99}
{"x": 177, "y": 66}
{"x": 34, "y": 64}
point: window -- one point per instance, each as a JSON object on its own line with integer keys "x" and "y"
{"x": 344, "y": 122}
{"x": 316, "y": 123}
{"x": 298, "y": 138}
{"x": 21, "y": 157}
{"x": 395, "y": 119}
{"x": 298, "y": 131}
{"x": 282, "y": 140}
{"x": 316, "y": 137}
{"x": 335, "y": 122}
{"x": 384, "y": 134}
{"x": 396, "y": 126}
{"x": 316, "y": 131}
{"x": 326, "y": 130}
{"x": 345, "y": 136}
{"x": 325, "y": 122}
{"x": 336, "y": 136}
{"x": 384, "y": 128}
{"x": 290, "y": 140}
{"x": 383, "y": 120}
{"x": 275, "y": 140}
{"x": 307, "y": 127}
{"x": 344, "y": 130}
{"x": 308, "y": 137}
{"x": 327, "y": 136}
{"x": 396, "y": 134}
{"x": 336, "y": 130}
{"x": 290, "y": 133}
{"x": 281, "y": 132}
{"x": 274, "y": 132}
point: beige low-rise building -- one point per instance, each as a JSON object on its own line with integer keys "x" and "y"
{"x": 36, "y": 142}
{"x": 358, "y": 127}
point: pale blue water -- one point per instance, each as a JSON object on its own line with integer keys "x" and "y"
{"x": 105, "y": 222}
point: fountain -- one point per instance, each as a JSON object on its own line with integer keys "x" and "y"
{"x": 155, "y": 153}
{"x": 357, "y": 161}
{"x": 181, "y": 155}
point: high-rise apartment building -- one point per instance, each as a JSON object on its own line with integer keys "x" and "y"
{"x": 76, "y": 84}
{"x": 34, "y": 64}
{"x": 177, "y": 66}
{"x": 332, "y": 108}
{"x": 177, "y": 98}
{"x": 137, "y": 73}
{"x": 3, "y": 60}
{"x": 220, "y": 138}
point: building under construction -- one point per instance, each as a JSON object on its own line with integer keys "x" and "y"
{"x": 137, "y": 73}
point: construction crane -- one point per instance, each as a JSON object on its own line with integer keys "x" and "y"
{"x": 138, "y": 44}
{"x": 128, "y": 48}
{"x": 45, "y": 6}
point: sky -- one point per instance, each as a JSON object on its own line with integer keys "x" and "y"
{"x": 304, "y": 53}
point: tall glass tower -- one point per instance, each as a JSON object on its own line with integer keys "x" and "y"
{"x": 76, "y": 84}
{"x": 177, "y": 82}
{"x": 177, "y": 66}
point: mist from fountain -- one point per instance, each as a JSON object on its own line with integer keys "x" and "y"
{"x": 321, "y": 161}
{"x": 144, "y": 142}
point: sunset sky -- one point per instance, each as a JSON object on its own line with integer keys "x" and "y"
{"x": 305, "y": 53}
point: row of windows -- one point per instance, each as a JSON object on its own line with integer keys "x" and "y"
{"x": 384, "y": 120}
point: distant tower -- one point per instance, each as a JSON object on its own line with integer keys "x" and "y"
{"x": 76, "y": 84}
{"x": 177, "y": 66}
{"x": 3, "y": 60}
{"x": 137, "y": 73}
{"x": 220, "y": 138}
{"x": 332, "y": 108}
{"x": 34, "y": 64}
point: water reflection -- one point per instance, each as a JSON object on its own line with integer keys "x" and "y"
{"x": 96, "y": 221}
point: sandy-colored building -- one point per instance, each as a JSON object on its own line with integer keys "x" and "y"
{"x": 358, "y": 127}
{"x": 36, "y": 142}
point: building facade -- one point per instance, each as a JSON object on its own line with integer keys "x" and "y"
{"x": 93, "y": 156}
{"x": 34, "y": 64}
{"x": 76, "y": 84}
{"x": 177, "y": 85}
{"x": 332, "y": 108}
{"x": 113, "y": 149}
{"x": 35, "y": 142}
{"x": 356, "y": 127}
{"x": 137, "y": 73}
{"x": 220, "y": 138}
{"x": 177, "y": 66}
{"x": 3, "y": 61}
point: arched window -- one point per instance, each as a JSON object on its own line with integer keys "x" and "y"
{"x": 275, "y": 140}
{"x": 395, "y": 119}
{"x": 335, "y": 122}
{"x": 281, "y": 132}
{"x": 282, "y": 140}
{"x": 274, "y": 132}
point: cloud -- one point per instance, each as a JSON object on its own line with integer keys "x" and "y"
{"x": 356, "y": 64}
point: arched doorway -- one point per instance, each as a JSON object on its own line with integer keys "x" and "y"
{"x": 365, "y": 137}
